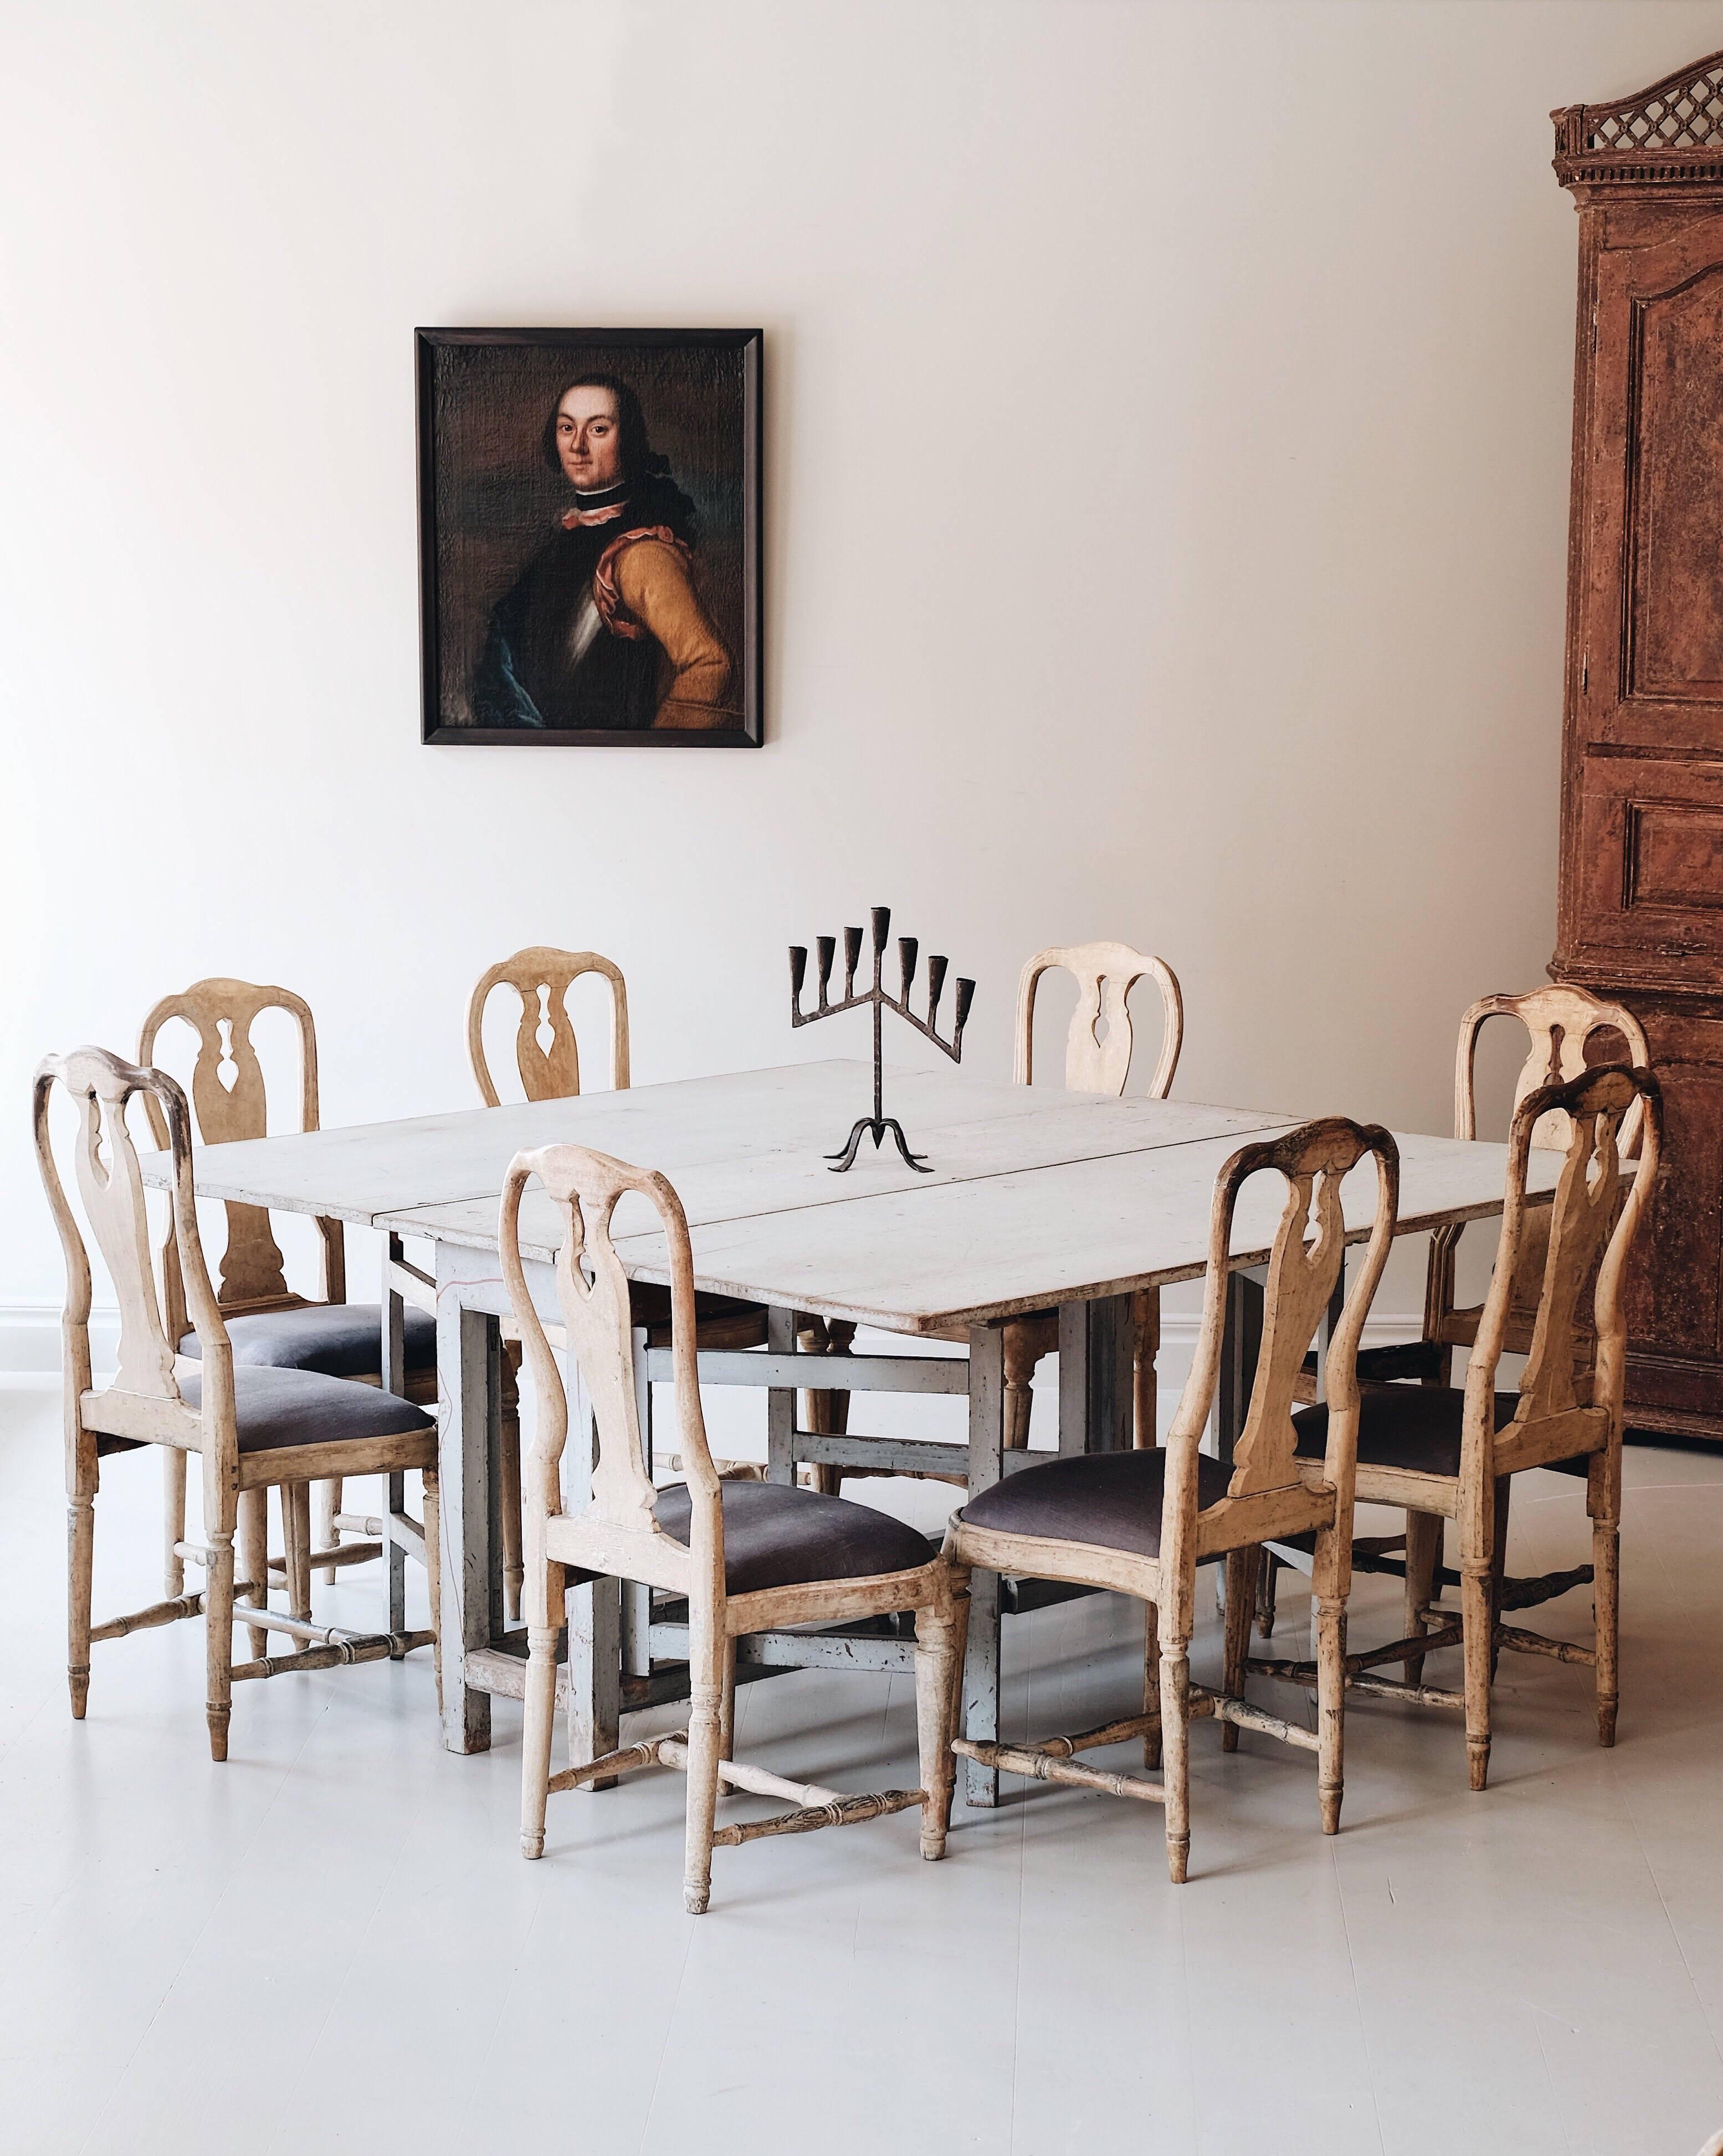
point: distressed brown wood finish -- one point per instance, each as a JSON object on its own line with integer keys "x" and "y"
{"x": 144, "y": 1405}
{"x": 1640, "y": 917}
{"x": 616, "y": 1535}
{"x": 1270, "y": 1494}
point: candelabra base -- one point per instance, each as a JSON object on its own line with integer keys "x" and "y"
{"x": 876, "y": 1127}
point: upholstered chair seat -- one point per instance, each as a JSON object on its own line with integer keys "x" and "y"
{"x": 775, "y": 1536}
{"x": 336, "y": 1339}
{"x": 1111, "y": 1500}
{"x": 1415, "y": 1427}
{"x": 274, "y": 1408}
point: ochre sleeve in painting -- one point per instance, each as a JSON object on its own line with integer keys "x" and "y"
{"x": 654, "y": 585}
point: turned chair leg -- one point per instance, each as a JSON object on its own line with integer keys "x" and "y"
{"x": 1424, "y": 1560}
{"x": 1328, "y": 1622}
{"x": 1268, "y": 1593}
{"x": 1144, "y": 1346}
{"x": 1477, "y": 1597}
{"x": 81, "y": 1541}
{"x": 1605, "y": 1588}
{"x": 296, "y": 1547}
{"x": 1022, "y": 1354}
{"x": 1241, "y": 1608}
{"x": 827, "y": 1413}
{"x": 1151, "y": 1685}
{"x": 821, "y": 1410}
{"x": 1176, "y": 1750}
{"x": 254, "y": 1558}
{"x": 218, "y": 1630}
{"x": 940, "y": 1638}
{"x": 540, "y": 1700}
{"x": 329, "y": 1504}
{"x": 726, "y": 1713}
{"x": 173, "y": 1520}
{"x": 1499, "y": 1564}
{"x": 509, "y": 1476}
{"x": 705, "y": 1701}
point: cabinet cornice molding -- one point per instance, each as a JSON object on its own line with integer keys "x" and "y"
{"x": 1672, "y": 131}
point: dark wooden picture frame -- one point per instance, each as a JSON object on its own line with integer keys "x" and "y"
{"x": 626, "y": 612}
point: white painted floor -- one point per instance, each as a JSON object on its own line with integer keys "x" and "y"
{"x": 332, "y": 1944}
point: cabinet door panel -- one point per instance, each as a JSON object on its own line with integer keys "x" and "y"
{"x": 1675, "y": 1299}
{"x": 1648, "y": 869}
{"x": 1651, "y": 631}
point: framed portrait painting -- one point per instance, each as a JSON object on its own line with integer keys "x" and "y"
{"x": 589, "y": 537}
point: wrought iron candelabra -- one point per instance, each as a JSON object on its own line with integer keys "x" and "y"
{"x": 878, "y": 1123}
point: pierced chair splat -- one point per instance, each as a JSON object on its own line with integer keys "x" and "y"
{"x": 746, "y": 1556}
{"x": 1098, "y": 1052}
{"x": 547, "y": 1065}
{"x": 541, "y": 976}
{"x": 1442, "y": 1453}
{"x": 1141, "y": 1522}
{"x": 270, "y": 1324}
{"x": 251, "y": 1426}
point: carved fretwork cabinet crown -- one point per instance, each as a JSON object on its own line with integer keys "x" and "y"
{"x": 1641, "y": 906}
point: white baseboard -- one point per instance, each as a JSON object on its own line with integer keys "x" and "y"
{"x": 30, "y": 1340}
{"x": 30, "y": 1337}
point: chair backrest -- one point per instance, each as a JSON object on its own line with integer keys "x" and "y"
{"x": 231, "y": 1101}
{"x": 593, "y": 1292}
{"x": 1304, "y": 1269}
{"x": 112, "y": 1190}
{"x": 1577, "y": 1351}
{"x": 1105, "y": 974}
{"x": 1561, "y": 1022}
{"x": 546, "y": 1053}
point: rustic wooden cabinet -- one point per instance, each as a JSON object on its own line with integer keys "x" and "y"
{"x": 1641, "y": 906}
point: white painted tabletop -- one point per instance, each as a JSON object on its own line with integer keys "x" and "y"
{"x": 745, "y": 1141}
{"x": 927, "y": 1259}
{"x": 1037, "y": 1195}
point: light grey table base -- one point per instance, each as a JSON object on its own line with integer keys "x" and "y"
{"x": 623, "y": 1655}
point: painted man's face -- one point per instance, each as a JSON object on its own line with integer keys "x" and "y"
{"x": 589, "y": 437}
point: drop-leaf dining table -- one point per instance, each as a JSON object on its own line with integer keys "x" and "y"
{"x": 1037, "y": 1199}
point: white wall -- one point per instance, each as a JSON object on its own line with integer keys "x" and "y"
{"x": 1167, "y": 436}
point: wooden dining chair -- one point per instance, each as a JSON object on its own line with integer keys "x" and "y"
{"x": 746, "y": 1556}
{"x": 547, "y": 1063}
{"x": 1098, "y": 1051}
{"x": 547, "y": 1052}
{"x": 1440, "y": 1452}
{"x": 1562, "y": 1024}
{"x": 1562, "y": 1029}
{"x": 1141, "y": 1522}
{"x": 252, "y": 1427}
{"x": 270, "y": 1324}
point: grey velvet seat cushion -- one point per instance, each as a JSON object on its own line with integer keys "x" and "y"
{"x": 341, "y": 1339}
{"x": 1111, "y": 1499}
{"x": 1411, "y": 1426}
{"x": 775, "y": 1536}
{"x": 276, "y": 1408}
